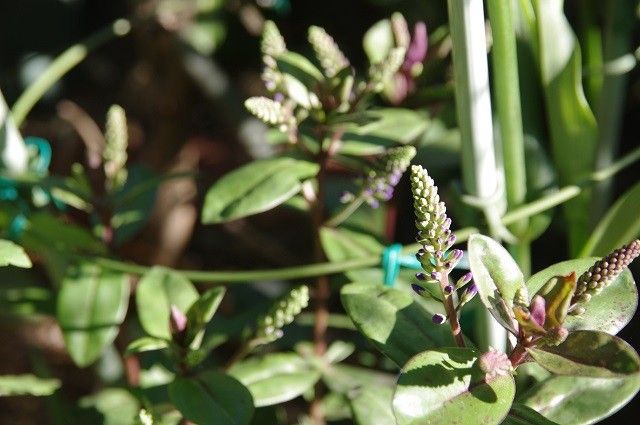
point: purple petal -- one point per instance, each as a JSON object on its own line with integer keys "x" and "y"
{"x": 537, "y": 309}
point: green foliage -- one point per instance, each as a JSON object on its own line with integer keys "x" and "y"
{"x": 13, "y": 385}
{"x": 13, "y": 255}
{"x": 91, "y": 307}
{"x": 275, "y": 378}
{"x": 397, "y": 325}
{"x": 254, "y": 188}
{"x": 497, "y": 277}
{"x": 157, "y": 291}
{"x": 212, "y": 398}
{"x": 446, "y": 386}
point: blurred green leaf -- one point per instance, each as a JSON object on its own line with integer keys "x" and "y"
{"x": 91, "y": 307}
{"x": 572, "y": 125}
{"x": 146, "y": 343}
{"x": 523, "y": 415}
{"x": 157, "y": 291}
{"x": 497, "y": 277}
{"x": 446, "y": 386}
{"x": 589, "y": 353}
{"x": 201, "y": 313}
{"x": 609, "y": 311}
{"x": 573, "y": 400}
{"x": 212, "y": 398}
{"x": 117, "y": 406}
{"x": 256, "y": 187}
{"x": 619, "y": 226}
{"x": 541, "y": 181}
{"x": 372, "y": 406}
{"x": 392, "y": 321}
{"x": 380, "y": 129}
{"x": 13, "y": 255}
{"x": 11, "y": 385}
{"x": 129, "y": 218}
{"x": 275, "y": 378}
{"x": 344, "y": 378}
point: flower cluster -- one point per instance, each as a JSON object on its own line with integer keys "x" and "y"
{"x": 602, "y": 273}
{"x": 282, "y": 313}
{"x": 382, "y": 176}
{"x": 435, "y": 236}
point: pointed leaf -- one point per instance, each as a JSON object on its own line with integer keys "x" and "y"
{"x": 381, "y": 129}
{"x": 212, "y": 398}
{"x": 609, "y": 311}
{"x": 573, "y": 400}
{"x": 497, "y": 277}
{"x": 275, "y": 378}
{"x": 589, "y": 353}
{"x": 572, "y": 125}
{"x": 91, "y": 307}
{"x": 395, "y": 324}
{"x": 446, "y": 386}
{"x": 620, "y": 225}
{"x": 157, "y": 291}
{"x": 201, "y": 313}
{"x": 255, "y": 187}
{"x": 13, "y": 255}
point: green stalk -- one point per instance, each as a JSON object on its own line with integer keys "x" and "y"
{"x": 61, "y": 65}
{"x": 591, "y": 45}
{"x": 507, "y": 99}
{"x": 473, "y": 107}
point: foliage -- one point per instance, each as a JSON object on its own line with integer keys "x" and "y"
{"x": 307, "y": 311}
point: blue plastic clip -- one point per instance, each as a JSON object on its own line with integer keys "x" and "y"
{"x": 392, "y": 260}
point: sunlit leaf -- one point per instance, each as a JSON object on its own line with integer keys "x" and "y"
{"x": 446, "y": 386}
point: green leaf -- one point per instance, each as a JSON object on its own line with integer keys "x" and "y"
{"x": 497, "y": 277}
{"x": 372, "y": 406}
{"x": 589, "y": 353}
{"x": 157, "y": 291}
{"x": 91, "y": 307}
{"x": 212, "y": 398}
{"x": 201, "y": 313}
{"x": 392, "y": 321}
{"x": 130, "y": 217}
{"x": 378, "y": 40}
{"x": 117, "y": 406}
{"x": 342, "y": 244}
{"x": 300, "y": 68}
{"x": 609, "y": 311}
{"x": 146, "y": 343}
{"x": 344, "y": 379}
{"x": 446, "y": 386}
{"x": 381, "y": 129}
{"x": 11, "y": 385}
{"x": 620, "y": 225}
{"x": 523, "y": 415}
{"x": 572, "y": 400}
{"x": 572, "y": 125}
{"x": 275, "y": 378}
{"x": 256, "y": 187}
{"x": 13, "y": 255}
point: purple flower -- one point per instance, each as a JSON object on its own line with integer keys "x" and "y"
{"x": 417, "y": 288}
{"x": 438, "y": 319}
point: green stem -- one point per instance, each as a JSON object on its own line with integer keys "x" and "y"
{"x": 345, "y": 212}
{"x": 507, "y": 100}
{"x": 313, "y": 270}
{"x": 61, "y": 65}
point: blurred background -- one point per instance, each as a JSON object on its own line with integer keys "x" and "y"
{"x": 182, "y": 75}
